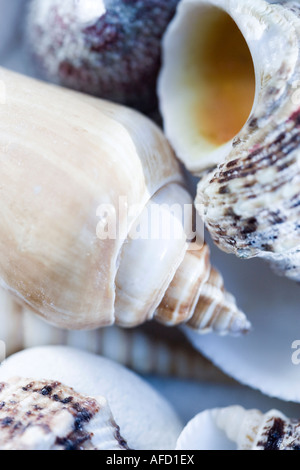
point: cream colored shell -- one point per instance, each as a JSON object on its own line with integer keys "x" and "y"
{"x": 64, "y": 155}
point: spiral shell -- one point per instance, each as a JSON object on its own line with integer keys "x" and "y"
{"x": 250, "y": 202}
{"x": 91, "y": 172}
{"x": 248, "y": 430}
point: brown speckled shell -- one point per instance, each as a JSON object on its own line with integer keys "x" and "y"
{"x": 46, "y": 415}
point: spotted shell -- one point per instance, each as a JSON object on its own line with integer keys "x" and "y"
{"x": 47, "y": 415}
{"x": 145, "y": 419}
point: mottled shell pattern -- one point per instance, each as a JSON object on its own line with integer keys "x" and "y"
{"x": 79, "y": 391}
{"x": 53, "y": 258}
{"x": 250, "y": 202}
{"x": 47, "y": 415}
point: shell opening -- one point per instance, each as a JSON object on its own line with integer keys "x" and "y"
{"x": 152, "y": 253}
{"x": 207, "y": 85}
{"x": 226, "y": 78}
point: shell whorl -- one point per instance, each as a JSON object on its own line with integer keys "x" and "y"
{"x": 74, "y": 270}
{"x": 253, "y": 430}
{"x": 208, "y": 307}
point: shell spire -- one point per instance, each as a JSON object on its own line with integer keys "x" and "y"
{"x": 244, "y": 121}
{"x": 253, "y": 430}
{"x": 202, "y": 304}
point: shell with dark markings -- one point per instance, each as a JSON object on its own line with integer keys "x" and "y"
{"x": 250, "y": 203}
{"x": 47, "y": 415}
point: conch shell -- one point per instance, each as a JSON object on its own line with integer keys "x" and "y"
{"x": 243, "y": 55}
{"x": 98, "y": 395}
{"x": 248, "y": 430}
{"x": 47, "y": 415}
{"x": 148, "y": 349}
{"x": 90, "y": 173}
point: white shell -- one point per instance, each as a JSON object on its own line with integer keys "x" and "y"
{"x": 47, "y": 415}
{"x": 146, "y": 421}
{"x": 235, "y": 428}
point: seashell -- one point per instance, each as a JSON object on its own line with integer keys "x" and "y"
{"x": 250, "y": 201}
{"x": 145, "y": 419}
{"x": 110, "y": 49}
{"x": 248, "y": 430}
{"x": 76, "y": 271}
{"x": 149, "y": 349}
{"x": 47, "y": 415}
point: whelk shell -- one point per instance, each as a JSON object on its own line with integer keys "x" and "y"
{"x": 249, "y": 430}
{"x": 245, "y": 54}
{"x": 149, "y": 349}
{"x": 70, "y": 159}
{"x": 47, "y": 415}
{"x": 145, "y": 419}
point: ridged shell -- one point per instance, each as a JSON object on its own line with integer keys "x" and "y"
{"x": 250, "y": 203}
{"x": 248, "y": 430}
{"x": 47, "y": 415}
